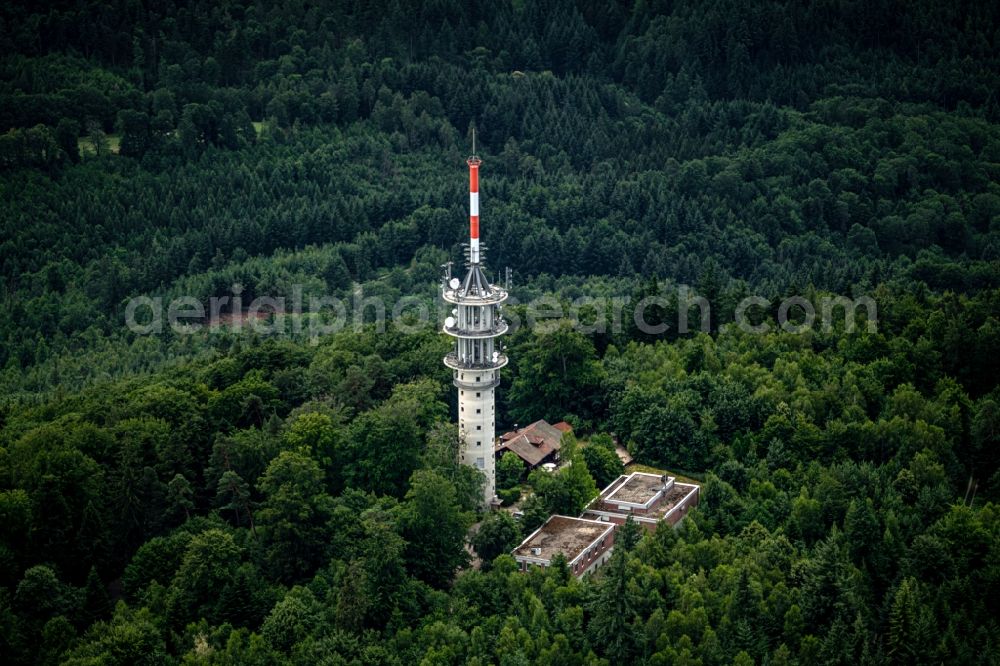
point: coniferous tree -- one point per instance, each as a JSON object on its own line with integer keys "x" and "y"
{"x": 434, "y": 527}
{"x": 611, "y": 624}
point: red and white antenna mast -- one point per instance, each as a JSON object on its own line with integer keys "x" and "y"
{"x": 474, "y": 163}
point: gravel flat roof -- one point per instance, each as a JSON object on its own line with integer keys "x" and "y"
{"x": 562, "y": 534}
{"x": 638, "y": 488}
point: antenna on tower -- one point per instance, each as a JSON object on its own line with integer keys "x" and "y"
{"x": 474, "y": 162}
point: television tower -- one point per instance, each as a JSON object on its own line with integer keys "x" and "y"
{"x": 475, "y": 322}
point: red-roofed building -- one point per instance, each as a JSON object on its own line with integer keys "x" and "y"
{"x": 563, "y": 427}
{"x": 535, "y": 444}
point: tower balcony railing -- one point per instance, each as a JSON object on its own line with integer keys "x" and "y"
{"x": 499, "y": 328}
{"x": 453, "y": 361}
{"x": 459, "y": 297}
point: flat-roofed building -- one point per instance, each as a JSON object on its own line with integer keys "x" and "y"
{"x": 586, "y": 544}
{"x": 649, "y": 498}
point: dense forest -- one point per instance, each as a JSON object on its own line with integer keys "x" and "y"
{"x": 226, "y": 497}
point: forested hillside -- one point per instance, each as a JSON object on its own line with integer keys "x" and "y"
{"x": 231, "y": 498}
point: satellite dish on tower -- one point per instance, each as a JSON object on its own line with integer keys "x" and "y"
{"x": 496, "y": 355}
{"x": 454, "y": 283}
{"x": 454, "y": 311}
{"x": 449, "y": 322}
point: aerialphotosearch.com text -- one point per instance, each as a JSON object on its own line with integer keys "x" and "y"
{"x": 681, "y": 310}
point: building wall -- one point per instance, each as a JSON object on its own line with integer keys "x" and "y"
{"x": 683, "y": 507}
{"x": 597, "y": 558}
{"x": 595, "y": 564}
{"x": 619, "y": 519}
